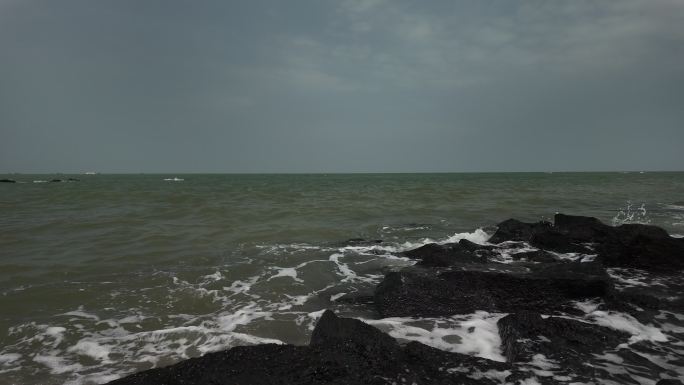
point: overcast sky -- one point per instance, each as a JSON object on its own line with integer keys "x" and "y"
{"x": 341, "y": 86}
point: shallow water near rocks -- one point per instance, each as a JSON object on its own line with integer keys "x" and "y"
{"x": 119, "y": 273}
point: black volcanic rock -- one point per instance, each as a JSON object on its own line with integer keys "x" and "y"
{"x": 524, "y": 334}
{"x": 555, "y": 241}
{"x": 515, "y": 230}
{"x": 535, "y": 256}
{"x": 342, "y": 351}
{"x": 335, "y": 330}
{"x": 437, "y": 255}
{"x": 559, "y": 343}
{"x": 457, "y": 291}
{"x": 472, "y": 246}
{"x": 643, "y": 251}
{"x": 628, "y": 245}
{"x": 8, "y": 181}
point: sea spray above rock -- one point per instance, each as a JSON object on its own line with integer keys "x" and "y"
{"x": 627, "y": 245}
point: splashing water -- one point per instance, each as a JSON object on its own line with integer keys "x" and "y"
{"x": 632, "y": 214}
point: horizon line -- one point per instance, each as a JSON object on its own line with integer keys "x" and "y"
{"x": 335, "y": 172}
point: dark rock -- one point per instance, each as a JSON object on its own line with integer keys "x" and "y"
{"x": 362, "y": 298}
{"x": 56, "y": 180}
{"x": 669, "y": 382}
{"x": 436, "y": 255}
{"x": 629, "y": 245}
{"x": 472, "y": 246}
{"x": 334, "y": 330}
{"x": 580, "y": 228}
{"x": 536, "y": 256}
{"x": 8, "y": 181}
{"x": 514, "y": 230}
{"x": 564, "y": 344}
{"x": 524, "y": 334}
{"x": 660, "y": 291}
{"x": 555, "y": 241}
{"x": 442, "y": 293}
{"x": 650, "y": 252}
{"x": 342, "y": 351}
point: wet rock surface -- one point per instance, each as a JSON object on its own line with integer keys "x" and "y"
{"x": 576, "y": 301}
{"x": 628, "y": 245}
{"x": 436, "y": 255}
{"x": 526, "y": 334}
{"x": 457, "y": 291}
{"x": 342, "y": 351}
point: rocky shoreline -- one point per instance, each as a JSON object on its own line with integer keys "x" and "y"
{"x": 555, "y": 269}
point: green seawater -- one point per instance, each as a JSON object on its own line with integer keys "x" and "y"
{"x": 118, "y": 273}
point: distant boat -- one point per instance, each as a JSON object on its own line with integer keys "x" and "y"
{"x": 174, "y": 179}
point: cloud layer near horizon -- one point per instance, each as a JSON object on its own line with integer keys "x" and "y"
{"x": 341, "y": 86}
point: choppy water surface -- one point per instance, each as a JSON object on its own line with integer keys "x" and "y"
{"x": 118, "y": 273}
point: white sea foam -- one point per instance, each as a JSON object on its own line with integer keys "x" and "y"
{"x": 474, "y": 334}
{"x": 335, "y": 297}
{"x": 478, "y": 236}
{"x": 344, "y": 270}
{"x": 217, "y": 276}
{"x": 492, "y": 374}
{"x": 242, "y": 287}
{"x": 623, "y": 322}
{"x": 55, "y": 363}
{"x": 91, "y": 349}
{"x": 627, "y": 277}
{"x": 285, "y": 272}
{"x": 82, "y": 314}
{"x": 9, "y": 358}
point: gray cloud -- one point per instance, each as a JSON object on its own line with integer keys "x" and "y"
{"x": 353, "y": 85}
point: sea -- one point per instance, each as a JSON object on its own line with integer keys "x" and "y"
{"x": 107, "y": 275}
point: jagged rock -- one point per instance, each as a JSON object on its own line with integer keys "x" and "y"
{"x": 628, "y": 245}
{"x": 524, "y": 334}
{"x": 562, "y": 343}
{"x": 515, "y": 230}
{"x": 452, "y": 291}
{"x": 342, "y": 351}
{"x": 535, "y": 256}
{"x": 644, "y": 252}
{"x": 555, "y": 241}
{"x": 472, "y": 246}
{"x": 334, "y": 330}
{"x": 436, "y": 255}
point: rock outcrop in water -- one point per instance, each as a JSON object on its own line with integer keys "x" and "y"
{"x": 445, "y": 292}
{"x": 539, "y": 290}
{"x": 628, "y": 245}
{"x": 342, "y": 351}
